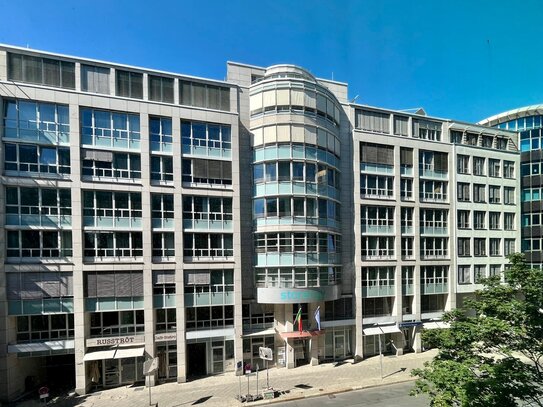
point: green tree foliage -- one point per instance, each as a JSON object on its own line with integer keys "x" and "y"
{"x": 492, "y": 353}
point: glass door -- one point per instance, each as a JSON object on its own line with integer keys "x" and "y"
{"x": 339, "y": 345}
{"x": 218, "y": 359}
{"x": 128, "y": 370}
{"x": 111, "y": 372}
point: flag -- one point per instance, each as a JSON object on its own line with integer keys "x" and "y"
{"x": 318, "y": 317}
{"x": 299, "y": 319}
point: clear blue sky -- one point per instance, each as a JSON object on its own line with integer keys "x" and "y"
{"x": 465, "y": 59}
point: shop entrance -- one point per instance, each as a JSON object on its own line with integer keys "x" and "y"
{"x": 196, "y": 359}
{"x": 60, "y": 371}
{"x": 116, "y": 372}
{"x": 301, "y": 352}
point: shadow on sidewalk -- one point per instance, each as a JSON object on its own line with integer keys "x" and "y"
{"x": 401, "y": 370}
{"x": 201, "y": 400}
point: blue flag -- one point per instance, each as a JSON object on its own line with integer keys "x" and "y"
{"x": 318, "y": 317}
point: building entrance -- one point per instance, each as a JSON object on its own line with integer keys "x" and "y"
{"x": 197, "y": 362}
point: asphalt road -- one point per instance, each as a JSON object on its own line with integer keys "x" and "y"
{"x": 384, "y": 396}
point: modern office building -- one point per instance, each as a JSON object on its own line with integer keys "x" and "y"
{"x": 528, "y": 121}
{"x": 151, "y": 214}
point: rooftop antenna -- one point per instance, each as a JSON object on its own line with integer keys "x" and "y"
{"x": 354, "y": 99}
{"x": 332, "y": 75}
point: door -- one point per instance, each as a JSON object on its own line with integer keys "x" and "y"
{"x": 218, "y": 360}
{"x": 339, "y": 345}
{"x": 128, "y": 370}
{"x": 196, "y": 355}
{"x": 111, "y": 373}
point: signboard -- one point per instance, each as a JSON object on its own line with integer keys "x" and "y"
{"x": 265, "y": 353}
{"x": 275, "y": 295}
{"x": 43, "y": 392}
{"x": 171, "y": 336}
{"x": 117, "y": 340}
{"x": 150, "y": 366}
{"x": 281, "y": 356}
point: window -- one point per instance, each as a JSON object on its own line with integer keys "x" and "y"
{"x": 495, "y": 270}
{"x": 494, "y": 167}
{"x": 509, "y": 169}
{"x": 160, "y": 89}
{"x": 162, "y": 210}
{"x": 38, "y": 206}
{"x": 377, "y": 306}
{"x": 479, "y": 193}
{"x": 406, "y": 161}
{"x": 112, "y": 209}
{"x": 31, "y": 328}
{"x": 434, "y": 279}
{"x": 209, "y": 139}
{"x": 406, "y": 189}
{"x": 107, "y": 164}
{"x": 478, "y": 166}
{"x": 380, "y": 216}
{"x": 433, "y": 220}
{"x": 434, "y": 247}
{"x": 509, "y": 246}
{"x": 487, "y": 141}
{"x": 456, "y": 137}
{"x": 39, "y": 243}
{"x": 463, "y": 219}
{"x": 401, "y": 125}
{"x": 38, "y": 159}
{"x": 95, "y": 79}
{"x": 479, "y": 246}
{"x": 479, "y": 272}
{"x": 129, "y": 84}
{"x": 116, "y": 323}
{"x": 213, "y": 317}
{"x": 45, "y": 123}
{"x": 407, "y": 248}
{"x": 163, "y": 244}
{"x": 112, "y": 244}
{"x": 463, "y": 192}
{"x": 407, "y": 220}
{"x": 206, "y": 212}
{"x": 160, "y": 134}
{"x": 378, "y": 281}
{"x": 100, "y": 128}
{"x": 509, "y": 195}
{"x": 494, "y": 194}
{"x": 464, "y": 244}
{"x": 433, "y": 164}
{"x": 208, "y": 245}
{"x": 210, "y": 172}
{"x": 161, "y": 169}
{"x": 42, "y": 71}
{"x": 464, "y": 275}
{"x": 165, "y": 320}
{"x": 377, "y": 247}
{"x": 495, "y": 247}
{"x": 472, "y": 139}
{"x": 501, "y": 143}
{"x": 494, "y": 220}
{"x": 202, "y": 95}
{"x": 377, "y": 186}
{"x": 509, "y": 221}
{"x": 433, "y": 191}
{"x": 462, "y": 164}
{"x": 372, "y": 121}
{"x": 479, "y": 219}
{"x": 427, "y": 130}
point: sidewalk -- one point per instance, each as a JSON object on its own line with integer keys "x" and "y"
{"x": 221, "y": 390}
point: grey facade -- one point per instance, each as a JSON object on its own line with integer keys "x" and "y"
{"x": 151, "y": 214}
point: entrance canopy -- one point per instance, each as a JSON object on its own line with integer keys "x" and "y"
{"x": 435, "y": 325}
{"x": 117, "y": 353}
{"x": 381, "y": 330}
{"x": 301, "y": 335}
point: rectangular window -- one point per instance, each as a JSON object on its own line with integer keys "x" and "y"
{"x": 208, "y": 139}
{"x": 106, "y": 129}
{"x": 494, "y": 220}
{"x": 202, "y": 95}
{"x": 479, "y": 247}
{"x": 160, "y": 134}
{"x": 509, "y": 195}
{"x": 494, "y": 167}
{"x": 464, "y": 275}
{"x": 161, "y": 169}
{"x": 401, "y": 125}
{"x": 160, "y": 89}
{"x": 478, "y": 166}
{"x": 494, "y": 194}
{"x": 372, "y": 121}
{"x": 495, "y": 247}
{"x": 479, "y": 193}
{"x": 406, "y": 189}
{"x": 378, "y": 186}
{"x": 207, "y": 245}
{"x": 107, "y": 165}
{"x": 209, "y": 172}
{"x": 464, "y": 244}
{"x": 129, "y": 84}
{"x": 479, "y": 272}
{"x": 479, "y": 220}
{"x": 463, "y": 219}
{"x": 105, "y": 284}
{"x": 163, "y": 244}
{"x": 509, "y": 169}
{"x": 463, "y": 192}
{"x": 39, "y": 244}
{"x": 509, "y": 246}
{"x": 427, "y": 130}
{"x": 433, "y": 191}
{"x": 463, "y": 164}
{"x": 113, "y": 244}
{"x": 38, "y": 159}
{"x": 509, "y": 221}
{"x": 42, "y": 71}
{"x": 95, "y": 79}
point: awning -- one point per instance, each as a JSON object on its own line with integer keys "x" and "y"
{"x": 381, "y": 330}
{"x": 51, "y": 346}
{"x": 435, "y": 325}
{"x": 117, "y": 353}
{"x": 269, "y": 331}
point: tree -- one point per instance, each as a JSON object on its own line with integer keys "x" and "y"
{"x": 492, "y": 353}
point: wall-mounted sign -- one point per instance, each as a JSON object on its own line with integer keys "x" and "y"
{"x": 274, "y": 295}
{"x": 171, "y": 336}
{"x": 117, "y": 340}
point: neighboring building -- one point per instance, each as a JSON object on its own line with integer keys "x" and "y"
{"x": 528, "y": 121}
{"x": 150, "y": 214}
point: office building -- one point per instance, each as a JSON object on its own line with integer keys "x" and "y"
{"x": 151, "y": 214}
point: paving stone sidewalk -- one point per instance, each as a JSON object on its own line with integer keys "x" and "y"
{"x": 222, "y": 390}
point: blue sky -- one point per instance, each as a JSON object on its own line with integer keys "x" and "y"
{"x": 465, "y": 60}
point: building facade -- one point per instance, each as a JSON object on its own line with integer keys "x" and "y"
{"x": 151, "y": 214}
{"x": 528, "y": 121}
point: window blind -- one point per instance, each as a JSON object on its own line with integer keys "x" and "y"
{"x": 406, "y": 156}
{"x": 377, "y": 154}
{"x": 163, "y": 277}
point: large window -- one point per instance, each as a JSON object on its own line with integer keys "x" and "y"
{"x": 372, "y": 121}
{"x": 113, "y": 244}
{"x": 202, "y": 95}
{"x": 116, "y": 323}
{"x": 31, "y": 328}
{"x": 101, "y": 128}
{"x": 162, "y": 210}
{"x": 207, "y": 211}
{"x": 380, "y": 216}
{"x": 161, "y": 169}
{"x": 287, "y": 277}
{"x": 38, "y": 285}
{"x": 479, "y": 193}
{"x": 494, "y": 167}
{"x": 95, "y": 79}
{"x": 113, "y": 209}
{"x": 160, "y": 134}
{"x": 208, "y": 172}
{"x": 427, "y": 130}
{"x": 433, "y": 191}
{"x": 38, "y": 159}
{"x": 38, "y": 206}
{"x": 39, "y": 243}
{"x": 220, "y": 316}
{"x": 35, "y": 121}
{"x": 434, "y": 247}
{"x": 107, "y": 284}
{"x": 462, "y": 164}
{"x": 379, "y": 186}
{"x": 377, "y": 247}
{"x": 129, "y": 84}
{"x": 208, "y": 245}
{"x": 301, "y": 242}
{"x": 210, "y": 139}
{"x": 163, "y": 244}
{"x": 107, "y": 164}
{"x": 478, "y": 166}
{"x": 160, "y": 89}
{"x": 42, "y": 71}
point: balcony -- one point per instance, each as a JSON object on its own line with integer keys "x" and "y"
{"x": 209, "y": 298}
{"x": 55, "y": 221}
{"x": 377, "y": 254}
{"x": 378, "y": 229}
{"x": 430, "y": 172}
{"x": 378, "y": 290}
{"x": 434, "y": 230}
{"x": 437, "y": 254}
{"x": 441, "y": 287}
{"x": 376, "y": 168}
{"x": 111, "y": 222}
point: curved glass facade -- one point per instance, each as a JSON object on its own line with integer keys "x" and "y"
{"x": 296, "y": 159}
